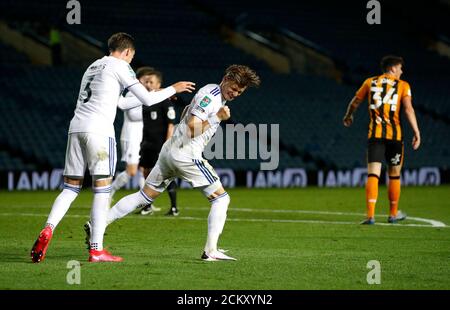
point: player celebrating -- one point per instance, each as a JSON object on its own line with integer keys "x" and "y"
{"x": 91, "y": 141}
{"x": 387, "y": 96}
{"x": 181, "y": 155}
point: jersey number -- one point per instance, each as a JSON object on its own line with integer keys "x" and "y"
{"x": 87, "y": 91}
{"x": 388, "y": 98}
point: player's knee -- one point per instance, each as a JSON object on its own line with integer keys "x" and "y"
{"x": 222, "y": 199}
{"x": 132, "y": 170}
{"x": 101, "y": 181}
{"x": 74, "y": 181}
{"x": 211, "y": 189}
{"x": 374, "y": 168}
{"x": 394, "y": 171}
{"x": 150, "y": 191}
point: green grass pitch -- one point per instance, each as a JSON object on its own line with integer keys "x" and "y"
{"x": 283, "y": 239}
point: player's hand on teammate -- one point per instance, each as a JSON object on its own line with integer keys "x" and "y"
{"x": 224, "y": 113}
{"x": 348, "y": 120}
{"x": 416, "y": 141}
{"x": 181, "y": 87}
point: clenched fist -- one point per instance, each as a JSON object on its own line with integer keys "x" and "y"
{"x": 224, "y": 113}
{"x": 347, "y": 120}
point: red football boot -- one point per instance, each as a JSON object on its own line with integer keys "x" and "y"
{"x": 102, "y": 256}
{"x": 40, "y": 246}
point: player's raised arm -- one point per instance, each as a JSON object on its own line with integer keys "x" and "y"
{"x": 411, "y": 116}
{"x": 151, "y": 98}
{"x": 128, "y": 79}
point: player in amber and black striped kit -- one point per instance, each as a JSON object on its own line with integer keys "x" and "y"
{"x": 387, "y": 95}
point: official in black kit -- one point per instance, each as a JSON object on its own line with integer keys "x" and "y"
{"x": 158, "y": 127}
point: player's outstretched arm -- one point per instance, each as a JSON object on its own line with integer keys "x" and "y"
{"x": 411, "y": 116}
{"x": 126, "y": 103}
{"x": 151, "y": 98}
{"x": 197, "y": 126}
{"x": 352, "y": 107}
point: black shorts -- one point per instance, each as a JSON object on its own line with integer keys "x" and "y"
{"x": 149, "y": 157}
{"x": 391, "y": 151}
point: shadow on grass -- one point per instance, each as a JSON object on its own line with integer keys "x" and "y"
{"x": 12, "y": 257}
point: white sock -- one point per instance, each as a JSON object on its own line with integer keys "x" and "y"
{"x": 120, "y": 181}
{"x": 62, "y": 204}
{"x": 141, "y": 180}
{"x": 128, "y": 204}
{"x": 99, "y": 213}
{"x": 216, "y": 221}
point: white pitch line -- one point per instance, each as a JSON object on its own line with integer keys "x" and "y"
{"x": 231, "y": 220}
{"x": 433, "y": 223}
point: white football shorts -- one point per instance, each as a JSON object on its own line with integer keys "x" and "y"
{"x": 92, "y": 151}
{"x": 198, "y": 172}
{"x": 130, "y": 151}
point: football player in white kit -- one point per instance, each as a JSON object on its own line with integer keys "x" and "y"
{"x": 181, "y": 155}
{"x": 91, "y": 141}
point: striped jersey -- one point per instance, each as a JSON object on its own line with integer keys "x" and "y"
{"x": 384, "y": 94}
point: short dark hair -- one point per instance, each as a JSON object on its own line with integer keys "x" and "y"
{"x": 120, "y": 41}
{"x": 242, "y": 75}
{"x": 389, "y": 61}
{"x": 143, "y": 71}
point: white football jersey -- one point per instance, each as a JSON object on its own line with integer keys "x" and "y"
{"x": 204, "y": 105}
{"x": 101, "y": 86}
{"x": 133, "y": 123}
